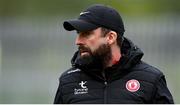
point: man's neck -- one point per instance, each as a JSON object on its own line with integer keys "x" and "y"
{"x": 116, "y": 55}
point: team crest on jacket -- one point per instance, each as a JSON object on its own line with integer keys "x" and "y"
{"x": 132, "y": 85}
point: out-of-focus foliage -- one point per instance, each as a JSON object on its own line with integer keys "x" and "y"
{"x": 60, "y": 7}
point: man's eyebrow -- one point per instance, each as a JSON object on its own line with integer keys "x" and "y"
{"x": 85, "y": 32}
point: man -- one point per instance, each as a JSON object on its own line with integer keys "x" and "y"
{"x": 107, "y": 67}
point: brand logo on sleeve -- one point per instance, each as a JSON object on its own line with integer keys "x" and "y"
{"x": 82, "y": 13}
{"x": 132, "y": 85}
{"x": 83, "y": 88}
{"x": 73, "y": 71}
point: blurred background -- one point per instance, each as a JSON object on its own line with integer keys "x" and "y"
{"x": 35, "y": 49}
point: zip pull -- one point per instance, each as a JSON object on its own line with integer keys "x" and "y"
{"x": 104, "y": 76}
{"x": 105, "y": 82}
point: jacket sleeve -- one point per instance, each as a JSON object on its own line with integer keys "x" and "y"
{"x": 162, "y": 93}
{"x": 58, "y": 97}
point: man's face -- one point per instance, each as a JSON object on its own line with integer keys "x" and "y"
{"x": 94, "y": 44}
{"x": 89, "y": 41}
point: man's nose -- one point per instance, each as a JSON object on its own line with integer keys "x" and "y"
{"x": 79, "y": 40}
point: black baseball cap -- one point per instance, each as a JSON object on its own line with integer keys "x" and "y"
{"x": 95, "y": 16}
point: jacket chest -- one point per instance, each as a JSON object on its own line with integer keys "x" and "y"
{"x": 91, "y": 91}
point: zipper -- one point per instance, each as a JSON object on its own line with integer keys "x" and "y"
{"x": 105, "y": 88}
{"x": 105, "y": 92}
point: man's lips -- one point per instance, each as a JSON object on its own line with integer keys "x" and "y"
{"x": 83, "y": 52}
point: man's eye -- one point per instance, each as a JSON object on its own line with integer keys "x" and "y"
{"x": 85, "y": 34}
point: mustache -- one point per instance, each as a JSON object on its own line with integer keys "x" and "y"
{"x": 82, "y": 48}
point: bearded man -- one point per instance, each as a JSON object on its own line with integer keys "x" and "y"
{"x": 107, "y": 68}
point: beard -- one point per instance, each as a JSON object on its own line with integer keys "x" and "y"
{"x": 97, "y": 59}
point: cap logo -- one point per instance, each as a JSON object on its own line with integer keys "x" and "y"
{"x": 132, "y": 85}
{"x": 82, "y": 13}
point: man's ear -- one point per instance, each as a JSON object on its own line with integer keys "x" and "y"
{"x": 111, "y": 37}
